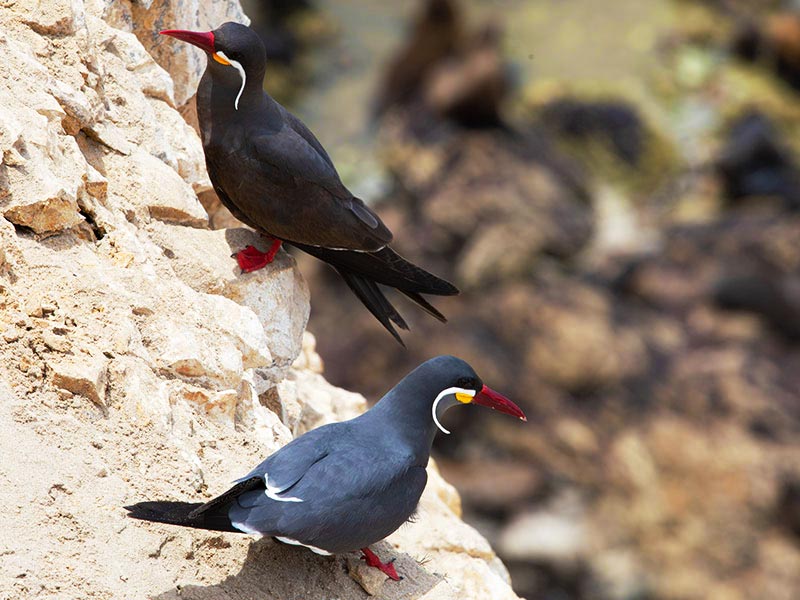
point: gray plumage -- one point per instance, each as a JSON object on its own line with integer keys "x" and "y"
{"x": 345, "y": 485}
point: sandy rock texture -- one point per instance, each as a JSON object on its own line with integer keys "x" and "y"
{"x": 137, "y": 362}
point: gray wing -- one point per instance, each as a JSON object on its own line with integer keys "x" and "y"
{"x": 346, "y": 500}
{"x": 281, "y": 470}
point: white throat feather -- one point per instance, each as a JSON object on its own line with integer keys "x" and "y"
{"x": 238, "y": 66}
{"x": 442, "y": 394}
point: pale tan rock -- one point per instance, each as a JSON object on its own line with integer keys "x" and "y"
{"x": 84, "y": 109}
{"x": 41, "y": 182}
{"x": 320, "y": 401}
{"x": 443, "y": 490}
{"x": 441, "y": 591}
{"x": 369, "y": 578}
{"x": 473, "y": 577}
{"x": 140, "y": 388}
{"x": 184, "y": 62}
{"x": 308, "y": 359}
{"x": 202, "y": 259}
{"x": 12, "y": 334}
{"x": 215, "y": 342}
{"x": 219, "y": 405}
{"x": 110, "y": 136}
{"x": 52, "y": 18}
{"x": 82, "y": 374}
{"x": 139, "y": 103}
{"x": 58, "y": 343}
{"x": 155, "y": 81}
{"x": 264, "y": 423}
{"x": 177, "y": 144}
{"x": 152, "y": 186}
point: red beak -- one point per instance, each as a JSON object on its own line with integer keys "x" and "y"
{"x": 488, "y": 397}
{"x": 203, "y": 40}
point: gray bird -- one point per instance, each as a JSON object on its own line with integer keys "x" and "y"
{"x": 344, "y": 486}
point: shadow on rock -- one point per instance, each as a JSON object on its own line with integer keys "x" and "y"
{"x": 274, "y": 571}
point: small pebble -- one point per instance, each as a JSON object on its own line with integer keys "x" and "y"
{"x": 369, "y": 578}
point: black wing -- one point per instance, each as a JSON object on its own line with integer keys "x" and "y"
{"x": 321, "y": 206}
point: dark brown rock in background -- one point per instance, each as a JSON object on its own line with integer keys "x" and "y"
{"x": 471, "y": 86}
{"x": 616, "y": 123}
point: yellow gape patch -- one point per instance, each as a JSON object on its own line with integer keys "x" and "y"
{"x": 220, "y": 59}
{"x": 463, "y": 398}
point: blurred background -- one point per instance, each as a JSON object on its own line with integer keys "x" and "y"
{"x": 615, "y": 188}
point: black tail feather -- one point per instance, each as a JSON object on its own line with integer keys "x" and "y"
{"x": 223, "y": 501}
{"x": 384, "y": 266}
{"x": 425, "y": 305}
{"x": 180, "y": 513}
{"x": 213, "y": 515}
{"x": 369, "y": 294}
{"x": 362, "y": 271}
{"x": 386, "y": 306}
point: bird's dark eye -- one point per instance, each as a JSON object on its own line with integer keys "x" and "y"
{"x": 467, "y": 383}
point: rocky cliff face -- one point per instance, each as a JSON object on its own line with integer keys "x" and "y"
{"x": 136, "y": 361}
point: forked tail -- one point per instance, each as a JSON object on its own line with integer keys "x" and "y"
{"x": 362, "y": 271}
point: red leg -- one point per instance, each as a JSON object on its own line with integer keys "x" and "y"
{"x": 251, "y": 258}
{"x": 373, "y": 561}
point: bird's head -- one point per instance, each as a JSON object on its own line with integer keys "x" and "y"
{"x": 458, "y": 384}
{"x": 233, "y": 50}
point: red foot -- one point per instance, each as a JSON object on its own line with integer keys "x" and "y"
{"x": 373, "y": 561}
{"x": 252, "y": 259}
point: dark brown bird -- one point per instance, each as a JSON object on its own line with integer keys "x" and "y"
{"x": 435, "y": 34}
{"x": 271, "y": 172}
{"x": 470, "y": 87}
